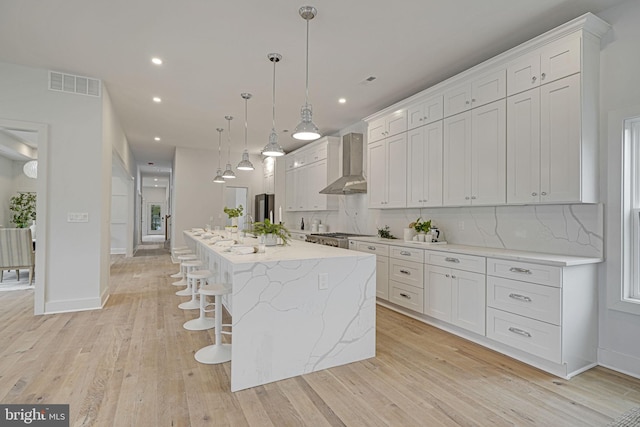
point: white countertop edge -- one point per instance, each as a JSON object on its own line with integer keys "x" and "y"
{"x": 533, "y": 257}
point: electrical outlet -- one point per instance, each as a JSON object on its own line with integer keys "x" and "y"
{"x": 460, "y": 225}
{"x": 323, "y": 281}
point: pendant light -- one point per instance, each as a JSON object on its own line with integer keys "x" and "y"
{"x": 245, "y": 164}
{"x": 273, "y": 149}
{"x": 219, "y": 179}
{"x": 228, "y": 172}
{"x": 306, "y": 129}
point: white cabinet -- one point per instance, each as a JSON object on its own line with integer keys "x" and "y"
{"x": 455, "y": 296}
{"x": 308, "y": 171}
{"x": 546, "y": 311}
{"x": 547, "y": 157}
{"x": 406, "y": 277}
{"x": 475, "y": 156}
{"x": 549, "y": 63}
{"x": 387, "y": 172}
{"x": 389, "y": 125}
{"x": 424, "y": 166}
{"x": 475, "y": 93}
{"x": 382, "y": 264}
{"x": 425, "y": 112}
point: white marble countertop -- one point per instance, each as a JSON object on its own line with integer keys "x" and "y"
{"x": 295, "y": 250}
{"x": 534, "y": 257}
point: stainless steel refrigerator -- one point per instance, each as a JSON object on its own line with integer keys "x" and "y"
{"x": 265, "y": 204}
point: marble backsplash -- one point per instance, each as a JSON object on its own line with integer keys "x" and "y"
{"x": 559, "y": 229}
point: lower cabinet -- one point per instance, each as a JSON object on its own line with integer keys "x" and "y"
{"x": 382, "y": 264}
{"x": 455, "y": 296}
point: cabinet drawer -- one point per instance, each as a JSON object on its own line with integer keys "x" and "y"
{"x": 317, "y": 154}
{"x": 532, "y": 336}
{"x": 411, "y": 254}
{"x": 407, "y": 296}
{"x": 535, "y": 273}
{"x": 408, "y": 272}
{"x": 373, "y": 248}
{"x": 526, "y": 299}
{"x": 298, "y": 236}
{"x": 459, "y": 261}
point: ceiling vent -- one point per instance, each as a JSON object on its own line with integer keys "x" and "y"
{"x": 61, "y": 82}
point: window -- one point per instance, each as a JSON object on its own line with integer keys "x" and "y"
{"x": 622, "y": 228}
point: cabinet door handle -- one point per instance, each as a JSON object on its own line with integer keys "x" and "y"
{"x": 407, "y": 296}
{"x": 544, "y": 193}
{"x": 426, "y": 117}
{"x": 533, "y": 79}
{"x": 420, "y": 119}
{"x": 405, "y": 253}
{"x": 466, "y": 198}
{"x": 405, "y": 272}
{"x": 467, "y": 102}
{"x": 534, "y": 194}
{"x": 543, "y": 75}
{"x": 372, "y": 248}
{"x": 519, "y": 270}
{"x": 519, "y": 332}
{"x": 473, "y": 197}
{"x": 449, "y": 259}
{"x": 446, "y": 275}
{"x": 453, "y": 277}
{"x": 520, "y": 297}
{"x": 473, "y": 100}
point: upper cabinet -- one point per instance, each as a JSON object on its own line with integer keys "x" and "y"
{"x": 549, "y": 63}
{"x": 389, "y": 125}
{"x": 520, "y": 128}
{"x": 475, "y": 93}
{"x": 309, "y": 170}
{"x": 425, "y": 112}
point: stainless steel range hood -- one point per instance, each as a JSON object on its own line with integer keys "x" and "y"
{"x": 352, "y": 181}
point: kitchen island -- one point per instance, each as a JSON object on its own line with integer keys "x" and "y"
{"x": 295, "y": 309}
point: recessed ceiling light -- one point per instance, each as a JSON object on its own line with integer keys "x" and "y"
{"x": 156, "y": 185}
{"x": 157, "y": 138}
{"x": 342, "y": 100}
{"x": 155, "y": 179}
{"x": 157, "y": 99}
{"x": 156, "y": 61}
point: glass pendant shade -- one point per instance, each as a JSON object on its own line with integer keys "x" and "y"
{"x": 30, "y": 169}
{"x": 245, "y": 164}
{"x": 218, "y": 178}
{"x": 306, "y": 129}
{"x": 228, "y": 172}
{"x": 273, "y": 149}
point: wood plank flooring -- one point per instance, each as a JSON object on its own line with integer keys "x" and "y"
{"x": 132, "y": 364}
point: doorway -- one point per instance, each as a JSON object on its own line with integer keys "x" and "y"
{"x": 156, "y": 212}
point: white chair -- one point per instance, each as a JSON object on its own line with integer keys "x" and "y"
{"x": 202, "y": 322}
{"x": 194, "y": 277}
{"x": 218, "y": 352}
{"x": 183, "y": 258}
{"x": 16, "y": 251}
{"x": 188, "y": 266}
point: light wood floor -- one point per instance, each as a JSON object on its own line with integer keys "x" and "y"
{"x": 131, "y": 364}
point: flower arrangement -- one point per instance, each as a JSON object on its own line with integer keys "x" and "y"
{"x": 233, "y": 212}
{"x": 268, "y": 227}
{"x": 421, "y": 226}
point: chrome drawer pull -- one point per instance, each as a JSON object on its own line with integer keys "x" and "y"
{"x": 519, "y": 270}
{"x": 519, "y": 332}
{"x": 405, "y": 296}
{"x": 405, "y": 272}
{"x": 405, "y": 253}
{"x": 520, "y": 297}
{"x": 372, "y": 248}
{"x": 449, "y": 259}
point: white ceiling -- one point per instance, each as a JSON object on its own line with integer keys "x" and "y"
{"x": 214, "y": 50}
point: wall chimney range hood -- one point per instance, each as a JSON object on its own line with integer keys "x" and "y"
{"x": 352, "y": 181}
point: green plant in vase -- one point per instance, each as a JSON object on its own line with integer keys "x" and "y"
{"x": 23, "y": 207}
{"x": 233, "y": 214}
{"x": 421, "y": 226}
{"x": 267, "y": 227}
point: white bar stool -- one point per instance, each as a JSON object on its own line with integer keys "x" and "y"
{"x": 203, "y": 322}
{"x": 189, "y": 266}
{"x": 182, "y": 258}
{"x": 193, "y": 277}
{"x": 218, "y": 352}
{"x": 174, "y": 258}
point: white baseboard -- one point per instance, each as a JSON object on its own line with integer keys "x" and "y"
{"x": 66, "y": 306}
{"x": 118, "y": 251}
{"x": 620, "y": 362}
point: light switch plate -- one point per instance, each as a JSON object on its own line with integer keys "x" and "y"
{"x": 77, "y": 217}
{"x": 323, "y": 281}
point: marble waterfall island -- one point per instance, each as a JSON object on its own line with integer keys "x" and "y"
{"x": 295, "y": 309}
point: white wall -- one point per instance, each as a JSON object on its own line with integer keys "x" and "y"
{"x": 197, "y": 197}
{"x": 620, "y": 88}
{"x": 76, "y": 163}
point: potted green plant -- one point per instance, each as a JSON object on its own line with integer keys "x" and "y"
{"x": 385, "y": 233}
{"x": 233, "y": 214}
{"x": 270, "y": 231}
{"x": 23, "y": 207}
{"x": 421, "y": 227}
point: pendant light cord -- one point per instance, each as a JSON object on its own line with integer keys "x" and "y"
{"x": 219, "y": 145}
{"x": 245, "y": 123}
{"x": 306, "y": 96}
{"x": 229, "y": 141}
{"x": 273, "y": 124}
